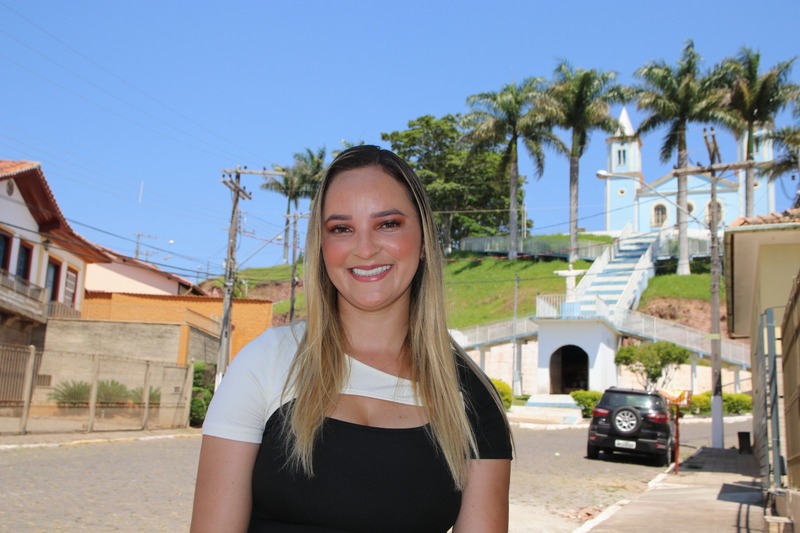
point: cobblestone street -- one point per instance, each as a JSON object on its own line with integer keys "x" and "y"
{"x": 146, "y": 484}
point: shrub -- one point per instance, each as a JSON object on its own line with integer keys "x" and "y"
{"x": 112, "y": 393}
{"x": 155, "y": 396}
{"x": 504, "y": 389}
{"x": 202, "y": 392}
{"x": 586, "y": 400}
{"x": 700, "y": 403}
{"x": 737, "y": 403}
{"x": 71, "y": 394}
{"x": 200, "y": 399}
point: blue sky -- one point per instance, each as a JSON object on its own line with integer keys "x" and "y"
{"x": 134, "y": 108}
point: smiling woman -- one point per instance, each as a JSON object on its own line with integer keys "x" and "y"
{"x": 367, "y": 416}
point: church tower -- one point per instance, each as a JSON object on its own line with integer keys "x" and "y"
{"x": 623, "y": 176}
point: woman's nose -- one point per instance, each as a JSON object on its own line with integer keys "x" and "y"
{"x": 367, "y": 245}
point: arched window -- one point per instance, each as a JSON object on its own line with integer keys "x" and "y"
{"x": 659, "y": 217}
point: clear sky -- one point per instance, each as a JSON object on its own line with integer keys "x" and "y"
{"x": 135, "y": 108}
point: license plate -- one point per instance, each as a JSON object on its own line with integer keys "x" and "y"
{"x": 627, "y": 444}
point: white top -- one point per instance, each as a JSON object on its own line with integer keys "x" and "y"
{"x": 250, "y": 391}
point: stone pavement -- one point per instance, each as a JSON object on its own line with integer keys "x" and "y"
{"x": 715, "y": 490}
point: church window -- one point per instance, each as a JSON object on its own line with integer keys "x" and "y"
{"x": 622, "y": 157}
{"x": 622, "y": 191}
{"x": 659, "y": 215}
{"x": 756, "y": 184}
{"x": 690, "y": 207}
{"x": 756, "y": 145}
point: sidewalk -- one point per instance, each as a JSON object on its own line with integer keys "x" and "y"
{"x": 715, "y": 490}
{"x": 45, "y": 440}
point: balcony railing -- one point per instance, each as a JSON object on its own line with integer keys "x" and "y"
{"x": 21, "y": 297}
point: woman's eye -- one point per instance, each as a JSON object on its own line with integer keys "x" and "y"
{"x": 339, "y": 229}
{"x": 391, "y": 224}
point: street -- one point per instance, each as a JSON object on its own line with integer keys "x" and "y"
{"x": 147, "y": 485}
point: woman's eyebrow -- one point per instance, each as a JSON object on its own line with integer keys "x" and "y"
{"x": 387, "y": 213}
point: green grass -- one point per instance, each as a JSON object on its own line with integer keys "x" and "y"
{"x": 693, "y": 287}
{"x": 480, "y": 289}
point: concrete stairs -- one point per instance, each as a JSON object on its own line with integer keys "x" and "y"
{"x": 610, "y": 284}
{"x": 550, "y": 409}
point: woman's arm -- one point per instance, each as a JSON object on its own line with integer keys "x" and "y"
{"x": 222, "y": 494}
{"x": 484, "y": 503}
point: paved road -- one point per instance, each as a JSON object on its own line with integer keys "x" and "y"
{"x": 147, "y": 485}
{"x": 554, "y": 488}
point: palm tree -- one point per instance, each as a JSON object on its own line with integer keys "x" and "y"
{"x": 755, "y": 99}
{"x": 787, "y": 141}
{"x": 674, "y": 97}
{"x": 579, "y": 101}
{"x": 298, "y": 181}
{"x": 504, "y": 118}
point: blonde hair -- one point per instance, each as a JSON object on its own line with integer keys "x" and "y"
{"x": 319, "y": 369}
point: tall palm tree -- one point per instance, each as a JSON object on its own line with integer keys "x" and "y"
{"x": 503, "y": 118}
{"x": 579, "y": 101}
{"x": 787, "y": 141}
{"x": 296, "y": 182}
{"x": 755, "y": 99}
{"x": 674, "y": 97}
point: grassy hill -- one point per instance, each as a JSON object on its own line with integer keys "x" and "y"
{"x": 481, "y": 289}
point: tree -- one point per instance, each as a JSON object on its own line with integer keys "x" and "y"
{"x": 755, "y": 99}
{"x": 504, "y": 118}
{"x": 787, "y": 143}
{"x": 298, "y": 181}
{"x": 674, "y": 97}
{"x": 653, "y": 362}
{"x": 579, "y": 101}
{"x": 465, "y": 202}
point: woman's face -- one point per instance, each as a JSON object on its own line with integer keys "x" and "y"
{"x": 371, "y": 239}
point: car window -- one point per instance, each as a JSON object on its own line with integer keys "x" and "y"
{"x": 642, "y": 401}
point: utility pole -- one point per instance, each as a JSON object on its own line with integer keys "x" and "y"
{"x": 294, "y": 266}
{"x": 230, "y": 272}
{"x": 717, "y": 427}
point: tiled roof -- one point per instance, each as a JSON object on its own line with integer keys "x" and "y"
{"x": 790, "y": 216}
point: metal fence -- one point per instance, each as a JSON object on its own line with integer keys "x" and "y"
{"x": 66, "y": 391}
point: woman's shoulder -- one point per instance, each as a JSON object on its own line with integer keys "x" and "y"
{"x": 274, "y": 347}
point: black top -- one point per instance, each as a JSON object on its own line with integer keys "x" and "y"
{"x": 369, "y": 479}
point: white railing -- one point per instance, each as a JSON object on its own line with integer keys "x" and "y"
{"x": 494, "y": 332}
{"x": 550, "y": 306}
{"x": 587, "y": 249}
{"x": 600, "y": 263}
{"x": 643, "y": 270}
{"x": 697, "y": 340}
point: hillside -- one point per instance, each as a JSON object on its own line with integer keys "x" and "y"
{"x": 481, "y": 290}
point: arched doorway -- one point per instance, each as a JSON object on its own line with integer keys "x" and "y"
{"x": 569, "y": 370}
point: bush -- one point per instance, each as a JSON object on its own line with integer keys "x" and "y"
{"x": 700, "y": 404}
{"x": 737, "y": 403}
{"x": 732, "y": 404}
{"x": 586, "y": 400}
{"x": 155, "y": 396}
{"x": 112, "y": 393}
{"x": 71, "y": 394}
{"x": 202, "y": 392}
{"x": 504, "y": 389}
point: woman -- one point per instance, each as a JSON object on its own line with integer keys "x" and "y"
{"x": 367, "y": 416}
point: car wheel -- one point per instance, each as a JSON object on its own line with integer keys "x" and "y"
{"x": 665, "y": 458}
{"x": 626, "y": 420}
{"x": 592, "y": 452}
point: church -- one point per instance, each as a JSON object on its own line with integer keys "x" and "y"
{"x": 648, "y": 207}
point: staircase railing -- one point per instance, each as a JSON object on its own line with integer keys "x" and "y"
{"x": 600, "y": 263}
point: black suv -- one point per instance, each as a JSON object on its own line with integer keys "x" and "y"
{"x": 632, "y": 421}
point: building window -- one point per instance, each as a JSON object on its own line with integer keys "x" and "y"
{"x": 70, "y": 287}
{"x": 659, "y": 215}
{"x": 622, "y": 157}
{"x": 756, "y": 145}
{"x": 756, "y": 184}
{"x": 5, "y": 251}
{"x": 690, "y": 207}
{"x": 622, "y": 192}
{"x": 51, "y": 282}
{"x": 24, "y": 259}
